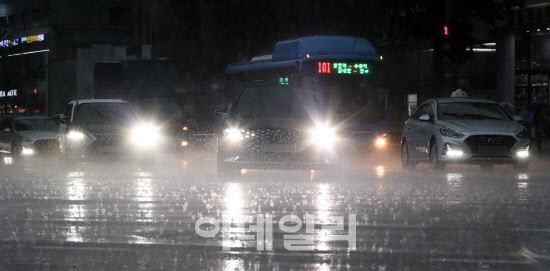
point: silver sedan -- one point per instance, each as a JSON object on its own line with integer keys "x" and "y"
{"x": 28, "y": 136}
{"x": 464, "y": 130}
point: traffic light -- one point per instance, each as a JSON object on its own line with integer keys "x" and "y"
{"x": 453, "y": 30}
{"x": 442, "y": 30}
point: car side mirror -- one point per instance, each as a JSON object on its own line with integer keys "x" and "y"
{"x": 7, "y": 130}
{"x": 424, "y": 117}
{"x": 223, "y": 109}
{"x": 57, "y": 119}
{"x": 518, "y": 118}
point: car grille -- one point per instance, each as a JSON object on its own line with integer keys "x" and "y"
{"x": 47, "y": 145}
{"x": 273, "y": 136}
{"x": 108, "y": 140}
{"x": 256, "y": 139}
{"x": 489, "y": 140}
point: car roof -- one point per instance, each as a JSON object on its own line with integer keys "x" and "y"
{"x": 89, "y": 101}
{"x": 463, "y": 100}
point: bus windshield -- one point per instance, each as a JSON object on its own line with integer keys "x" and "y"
{"x": 355, "y": 97}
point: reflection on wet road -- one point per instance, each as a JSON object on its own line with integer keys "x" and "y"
{"x": 112, "y": 216}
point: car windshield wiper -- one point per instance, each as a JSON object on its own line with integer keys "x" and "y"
{"x": 481, "y": 116}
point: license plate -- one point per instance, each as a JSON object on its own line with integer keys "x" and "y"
{"x": 491, "y": 149}
{"x": 280, "y": 148}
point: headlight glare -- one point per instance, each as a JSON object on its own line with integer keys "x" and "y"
{"x": 450, "y": 152}
{"x": 233, "y": 134}
{"x": 75, "y": 135}
{"x": 27, "y": 151}
{"x": 523, "y": 153}
{"x": 323, "y": 136}
{"x": 145, "y": 135}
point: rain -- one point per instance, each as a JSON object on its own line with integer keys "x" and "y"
{"x": 243, "y": 135}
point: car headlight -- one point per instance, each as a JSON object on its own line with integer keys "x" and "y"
{"x": 450, "y": 133}
{"x": 145, "y": 135}
{"x": 233, "y": 134}
{"x": 75, "y": 135}
{"x": 523, "y": 153}
{"x": 523, "y": 134}
{"x": 323, "y": 136}
{"x": 381, "y": 140}
{"x": 450, "y": 152}
{"x": 27, "y": 151}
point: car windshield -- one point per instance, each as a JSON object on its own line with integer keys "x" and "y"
{"x": 35, "y": 125}
{"x": 471, "y": 111}
{"x": 160, "y": 110}
{"x": 103, "y": 113}
{"x": 281, "y": 102}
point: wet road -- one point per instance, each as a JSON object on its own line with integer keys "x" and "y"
{"x": 112, "y": 216}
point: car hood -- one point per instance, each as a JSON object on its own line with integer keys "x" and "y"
{"x": 38, "y": 135}
{"x": 482, "y": 125}
{"x": 102, "y": 129}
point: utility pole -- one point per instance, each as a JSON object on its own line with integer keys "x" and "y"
{"x": 449, "y": 70}
{"x": 529, "y": 35}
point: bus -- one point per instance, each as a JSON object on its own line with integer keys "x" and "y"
{"x": 345, "y": 72}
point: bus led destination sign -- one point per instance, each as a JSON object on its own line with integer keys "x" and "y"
{"x": 327, "y": 67}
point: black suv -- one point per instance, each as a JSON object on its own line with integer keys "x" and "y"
{"x": 275, "y": 128}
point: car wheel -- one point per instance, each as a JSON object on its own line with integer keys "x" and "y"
{"x": 436, "y": 164}
{"x": 405, "y": 158}
{"x": 521, "y": 166}
{"x": 487, "y": 166}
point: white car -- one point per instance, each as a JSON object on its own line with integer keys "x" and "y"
{"x": 100, "y": 128}
{"x": 28, "y": 136}
{"x": 464, "y": 130}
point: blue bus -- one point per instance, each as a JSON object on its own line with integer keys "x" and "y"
{"x": 345, "y": 72}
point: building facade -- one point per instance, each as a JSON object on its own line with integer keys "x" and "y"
{"x": 48, "y": 48}
{"x": 526, "y": 47}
